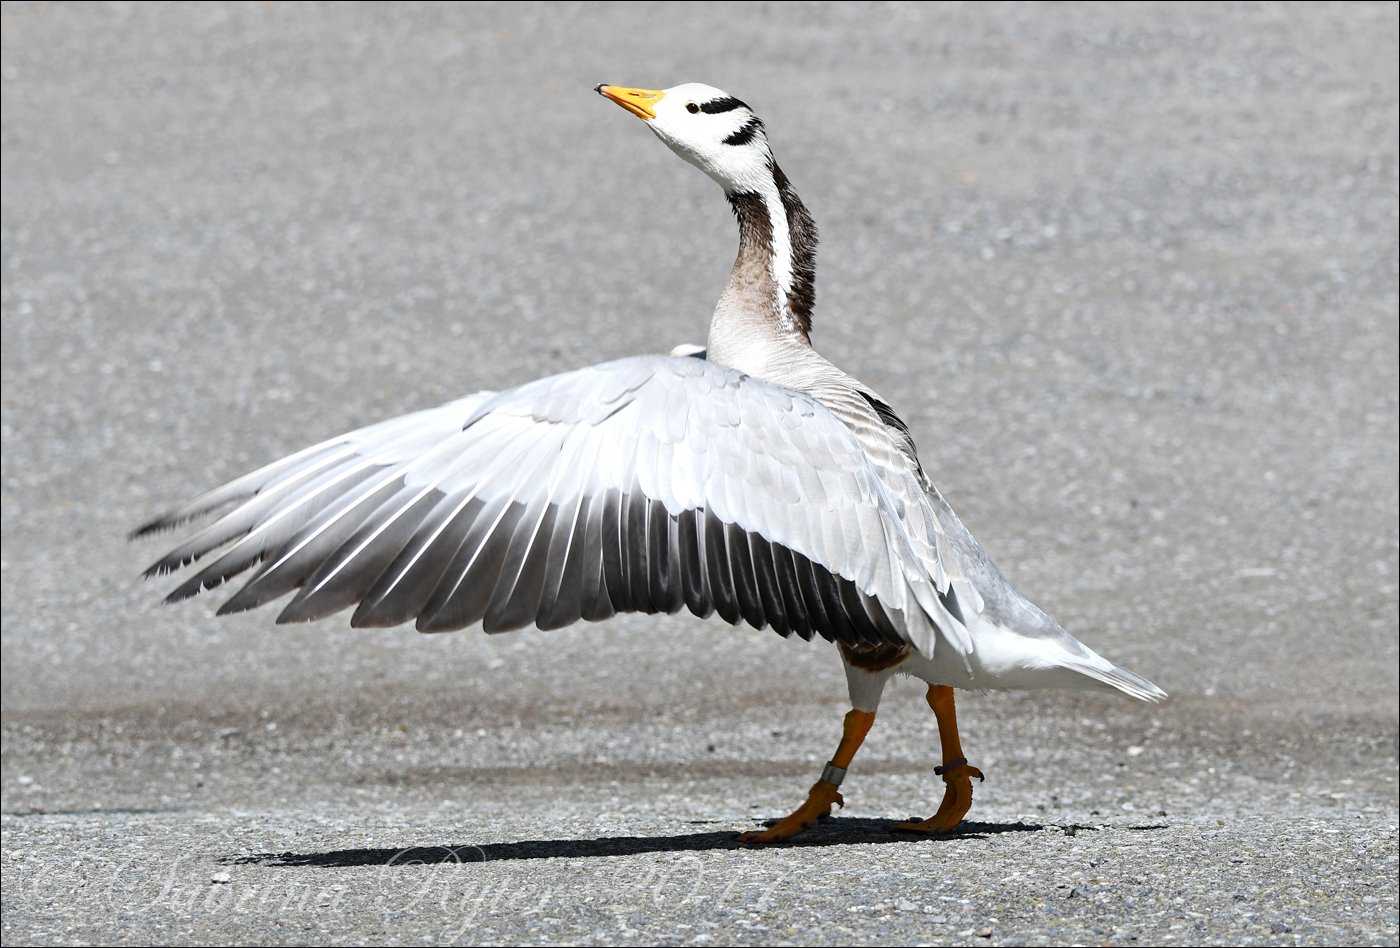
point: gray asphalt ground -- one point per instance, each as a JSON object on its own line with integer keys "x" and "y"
{"x": 1129, "y": 271}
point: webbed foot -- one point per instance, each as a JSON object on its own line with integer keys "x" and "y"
{"x": 818, "y": 804}
{"x": 957, "y": 799}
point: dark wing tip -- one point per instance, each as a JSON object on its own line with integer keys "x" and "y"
{"x": 183, "y": 592}
{"x": 162, "y": 524}
{"x": 166, "y": 565}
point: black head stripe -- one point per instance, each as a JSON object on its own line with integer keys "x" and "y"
{"x": 726, "y": 104}
{"x": 745, "y": 134}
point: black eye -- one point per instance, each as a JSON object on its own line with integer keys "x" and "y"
{"x": 692, "y": 108}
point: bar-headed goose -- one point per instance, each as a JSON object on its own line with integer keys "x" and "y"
{"x": 757, "y": 481}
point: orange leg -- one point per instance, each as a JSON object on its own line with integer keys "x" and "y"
{"x": 957, "y": 774}
{"x": 823, "y": 793}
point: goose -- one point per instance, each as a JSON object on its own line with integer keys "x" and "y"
{"x": 752, "y": 479}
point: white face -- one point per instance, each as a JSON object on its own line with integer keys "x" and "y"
{"x": 715, "y": 133}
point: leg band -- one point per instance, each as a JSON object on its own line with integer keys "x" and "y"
{"x": 946, "y": 767}
{"x": 833, "y": 774}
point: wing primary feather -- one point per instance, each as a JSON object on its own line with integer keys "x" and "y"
{"x": 402, "y": 588}
{"x": 304, "y": 553}
{"x": 702, "y": 561}
{"x": 462, "y": 595}
{"x": 363, "y": 557}
{"x": 851, "y": 599}
{"x": 812, "y": 597}
{"x": 561, "y": 595}
{"x": 267, "y": 521}
{"x": 675, "y": 588}
{"x": 793, "y": 606}
{"x": 595, "y": 605}
{"x": 345, "y": 576}
{"x": 516, "y": 598}
{"x": 829, "y": 589}
{"x": 875, "y": 609}
{"x": 365, "y": 561}
{"x": 766, "y": 581}
{"x": 285, "y": 474}
{"x": 745, "y": 586}
{"x": 251, "y": 484}
{"x": 233, "y": 524}
{"x": 658, "y": 556}
{"x": 614, "y": 553}
{"x": 318, "y": 491}
{"x": 264, "y": 537}
{"x": 717, "y": 571}
{"x": 514, "y": 604}
{"x": 692, "y": 562}
{"x": 635, "y": 533}
{"x": 594, "y": 602}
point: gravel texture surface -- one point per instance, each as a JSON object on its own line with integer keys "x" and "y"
{"x": 1128, "y": 271}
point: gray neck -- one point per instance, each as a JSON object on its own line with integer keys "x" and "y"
{"x": 765, "y": 310}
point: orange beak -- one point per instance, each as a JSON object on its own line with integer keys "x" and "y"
{"x": 637, "y": 101}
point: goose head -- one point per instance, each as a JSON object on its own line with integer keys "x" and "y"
{"x": 707, "y": 127}
{"x": 766, "y": 307}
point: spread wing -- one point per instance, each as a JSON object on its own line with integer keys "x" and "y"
{"x": 649, "y": 484}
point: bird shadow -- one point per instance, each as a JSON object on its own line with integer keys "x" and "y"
{"x": 839, "y": 831}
